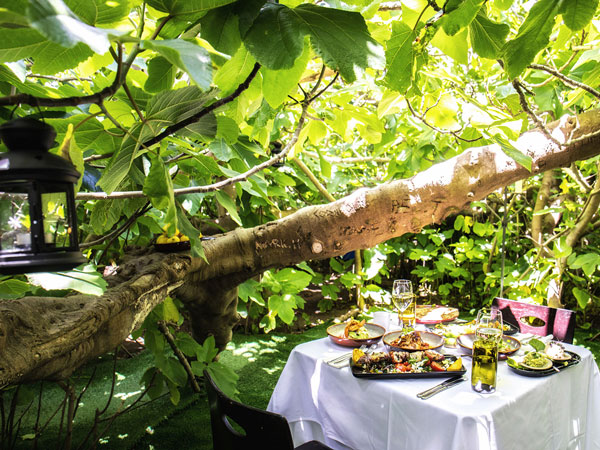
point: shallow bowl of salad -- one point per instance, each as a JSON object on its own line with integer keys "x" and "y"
{"x": 355, "y": 334}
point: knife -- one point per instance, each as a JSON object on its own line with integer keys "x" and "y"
{"x": 440, "y": 387}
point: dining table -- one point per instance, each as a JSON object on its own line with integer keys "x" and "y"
{"x": 556, "y": 412}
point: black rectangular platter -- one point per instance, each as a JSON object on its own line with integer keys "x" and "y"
{"x": 359, "y": 373}
{"x": 560, "y": 365}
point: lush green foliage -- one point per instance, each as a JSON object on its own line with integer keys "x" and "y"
{"x": 168, "y": 374}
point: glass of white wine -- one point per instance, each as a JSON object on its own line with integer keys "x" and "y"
{"x": 402, "y": 297}
{"x": 488, "y": 336}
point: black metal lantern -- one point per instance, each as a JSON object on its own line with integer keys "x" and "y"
{"x": 38, "y": 221}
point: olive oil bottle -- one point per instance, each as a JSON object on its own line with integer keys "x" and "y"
{"x": 485, "y": 359}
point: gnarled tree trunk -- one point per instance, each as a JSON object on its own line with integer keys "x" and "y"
{"x": 42, "y": 338}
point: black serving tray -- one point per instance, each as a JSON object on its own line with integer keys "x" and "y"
{"x": 359, "y": 373}
{"x": 560, "y": 365}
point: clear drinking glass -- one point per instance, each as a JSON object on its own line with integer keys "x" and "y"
{"x": 402, "y": 297}
{"x": 488, "y": 335}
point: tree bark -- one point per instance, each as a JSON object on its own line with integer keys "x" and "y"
{"x": 48, "y": 338}
{"x": 541, "y": 203}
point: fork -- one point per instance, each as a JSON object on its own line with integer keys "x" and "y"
{"x": 340, "y": 361}
{"x": 343, "y": 356}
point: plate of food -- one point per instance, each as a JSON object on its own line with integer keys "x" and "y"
{"x": 556, "y": 352}
{"x": 538, "y": 364}
{"x": 452, "y": 331}
{"x": 432, "y": 314}
{"x": 355, "y": 333}
{"x": 508, "y": 346}
{"x": 393, "y": 364}
{"x": 413, "y": 340}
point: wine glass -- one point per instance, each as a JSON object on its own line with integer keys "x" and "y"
{"x": 488, "y": 335}
{"x": 402, "y": 297}
{"x": 489, "y": 324}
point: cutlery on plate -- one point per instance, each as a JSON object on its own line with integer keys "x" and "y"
{"x": 440, "y": 387}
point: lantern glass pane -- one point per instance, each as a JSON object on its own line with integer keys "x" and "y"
{"x": 57, "y": 229}
{"x": 15, "y": 222}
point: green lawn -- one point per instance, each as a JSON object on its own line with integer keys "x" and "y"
{"x": 257, "y": 359}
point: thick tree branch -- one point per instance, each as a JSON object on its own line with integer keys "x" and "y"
{"x": 48, "y": 338}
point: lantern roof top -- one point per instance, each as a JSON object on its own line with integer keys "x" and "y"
{"x": 28, "y": 141}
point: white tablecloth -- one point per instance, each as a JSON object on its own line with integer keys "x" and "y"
{"x": 557, "y": 412}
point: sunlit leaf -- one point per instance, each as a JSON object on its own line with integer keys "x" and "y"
{"x": 533, "y": 36}
{"x": 161, "y": 74}
{"x": 459, "y": 14}
{"x": 84, "y": 279}
{"x": 487, "y": 37}
{"x": 159, "y": 189}
{"x": 186, "y": 55}
{"x": 588, "y": 262}
{"x": 49, "y": 58}
{"x": 399, "y": 56}
{"x": 578, "y": 13}
{"x": 283, "y": 306}
{"x": 276, "y": 38}
{"x": 179, "y": 7}
{"x": 58, "y": 23}
{"x": 277, "y": 84}
{"x": 234, "y": 71}
{"x": 561, "y": 248}
{"x": 13, "y": 288}
{"x": 227, "y": 202}
{"x": 583, "y": 297}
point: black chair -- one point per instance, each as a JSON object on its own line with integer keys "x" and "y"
{"x": 261, "y": 429}
{"x": 538, "y": 319}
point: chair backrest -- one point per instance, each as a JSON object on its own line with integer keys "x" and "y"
{"x": 261, "y": 429}
{"x": 556, "y": 321}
